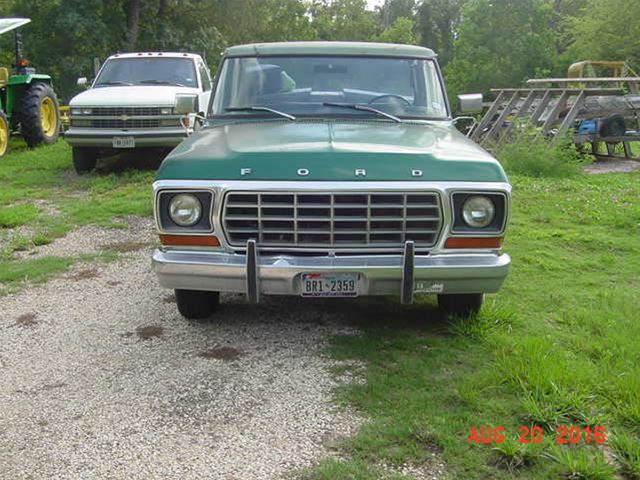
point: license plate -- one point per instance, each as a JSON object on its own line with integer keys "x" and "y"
{"x": 124, "y": 142}
{"x": 330, "y": 284}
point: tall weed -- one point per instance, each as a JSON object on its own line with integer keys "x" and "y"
{"x": 533, "y": 155}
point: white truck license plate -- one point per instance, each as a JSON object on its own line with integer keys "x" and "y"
{"x": 330, "y": 284}
{"x": 124, "y": 142}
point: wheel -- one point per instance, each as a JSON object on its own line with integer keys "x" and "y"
{"x": 612, "y": 126}
{"x": 194, "y": 304}
{"x": 39, "y": 115}
{"x": 461, "y": 304}
{"x": 4, "y": 133}
{"x": 84, "y": 159}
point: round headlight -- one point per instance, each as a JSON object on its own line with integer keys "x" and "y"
{"x": 185, "y": 210}
{"x": 478, "y": 211}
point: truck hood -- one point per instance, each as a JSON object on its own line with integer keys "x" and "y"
{"x": 144, "y": 96}
{"x": 330, "y": 150}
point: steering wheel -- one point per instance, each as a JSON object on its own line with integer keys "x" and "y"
{"x": 391, "y": 95}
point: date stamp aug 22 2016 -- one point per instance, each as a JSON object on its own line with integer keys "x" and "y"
{"x": 565, "y": 435}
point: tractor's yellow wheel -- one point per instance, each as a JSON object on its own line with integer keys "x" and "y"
{"x": 48, "y": 116}
{"x": 4, "y": 134}
{"x": 39, "y": 115}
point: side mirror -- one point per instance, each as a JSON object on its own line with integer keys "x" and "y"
{"x": 82, "y": 82}
{"x": 186, "y": 103}
{"x": 470, "y": 102}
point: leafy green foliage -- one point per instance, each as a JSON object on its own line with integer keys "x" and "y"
{"x": 400, "y": 31}
{"x": 529, "y": 153}
{"x": 502, "y": 43}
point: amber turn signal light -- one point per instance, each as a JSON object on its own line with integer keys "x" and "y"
{"x": 190, "y": 240}
{"x": 473, "y": 242}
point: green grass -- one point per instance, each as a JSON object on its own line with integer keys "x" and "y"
{"x": 559, "y": 345}
{"x": 41, "y": 193}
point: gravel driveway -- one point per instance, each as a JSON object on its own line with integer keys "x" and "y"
{"x": 101, "y": 378}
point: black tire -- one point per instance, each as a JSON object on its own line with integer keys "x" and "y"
{"x": 461, "y": 304}
{"x": 31, "y": 123}
{"x": 197, "y": 305}
{"x": 612, "y": 126}
{"x": 84, "y": 159}
{"x": 5, "y": 133}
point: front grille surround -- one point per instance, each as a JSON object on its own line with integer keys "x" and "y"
{"x": 332, "y": 219}
{"x": 130, "y": 111}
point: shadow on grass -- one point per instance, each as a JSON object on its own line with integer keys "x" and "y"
{"x": 145, "y": 159}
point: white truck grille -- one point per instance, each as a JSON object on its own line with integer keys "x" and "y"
{"x": 333, "y": 220}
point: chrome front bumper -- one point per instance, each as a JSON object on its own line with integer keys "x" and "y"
{"x": 102, "y": 137}
{"x": 401, "y": 275}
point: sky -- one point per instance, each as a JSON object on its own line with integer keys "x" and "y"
{"x": 372, "y": 4}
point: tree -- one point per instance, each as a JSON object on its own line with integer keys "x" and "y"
{"x": 605, "y": 30}
{"x": 401, "y": 31}
{"x": 437, "y": 26}
{"x": 343, "y": 20}
{"x": 501, "y": 43}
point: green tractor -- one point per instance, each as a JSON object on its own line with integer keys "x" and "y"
{"x": 27, "y": 100}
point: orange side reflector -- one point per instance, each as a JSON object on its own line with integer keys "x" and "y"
{"x": 190, "y": 240}
{"x": 473, "y": 242}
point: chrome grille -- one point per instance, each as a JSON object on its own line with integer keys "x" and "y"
{"x": 131, "y": 111}
{"x": 337, "y": 220}
{"x": 130, "y": 123}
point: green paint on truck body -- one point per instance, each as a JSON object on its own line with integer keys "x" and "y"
{"x": 331, "y": 150}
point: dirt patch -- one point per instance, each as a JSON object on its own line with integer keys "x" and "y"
{"x": 85, "y": 274}
{"x": 612, "y": 166}
{"x": 226, "y": 354}
{"x": 114, "y": 283}
{"x": 124, "y": 247}
{"x": 150, "y": 331}
{"x": 27, "y": 320}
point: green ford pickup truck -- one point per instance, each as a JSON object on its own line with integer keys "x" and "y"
{"x": 330, "y": 169}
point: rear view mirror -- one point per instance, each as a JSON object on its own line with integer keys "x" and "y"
{"x": 185, "y": 103}
{"x": 82, "y": 82}
{"x": 470, "y": 102}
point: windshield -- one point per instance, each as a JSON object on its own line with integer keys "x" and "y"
{"x": 314, "y": 85}
{"x": 148, "y": 71}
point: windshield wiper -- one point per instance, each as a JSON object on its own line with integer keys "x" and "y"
{"x": 256, "y": 108}
{"x": 162, "y": 82}
{"x": 365, "y": 108}
{"x": 114, "y": 82}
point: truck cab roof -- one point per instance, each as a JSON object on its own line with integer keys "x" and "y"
{"x": 331, "y": 48}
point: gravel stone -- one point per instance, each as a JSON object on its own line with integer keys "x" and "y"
{"x": 102, "y": 378}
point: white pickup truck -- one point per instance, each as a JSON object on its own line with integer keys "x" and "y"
{"x": 137, "y": 100}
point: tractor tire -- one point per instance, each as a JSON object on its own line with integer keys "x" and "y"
{"x": 39, "y": 115}
{"x": 4, "y": 133}
{"x": 84, "y": 159}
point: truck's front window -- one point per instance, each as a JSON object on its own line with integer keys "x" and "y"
{"x": 148, "y": 71}
{"x": 308, "y": 85}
